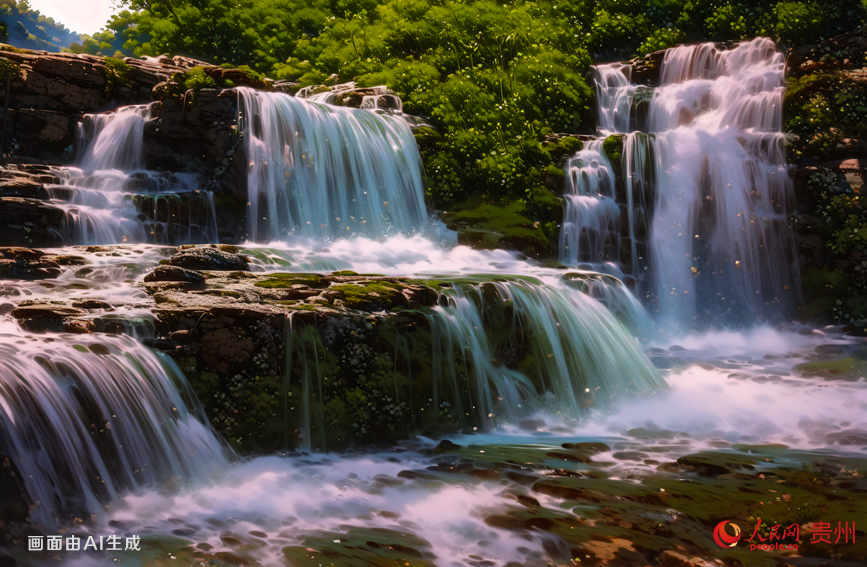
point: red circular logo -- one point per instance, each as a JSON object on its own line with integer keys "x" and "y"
{"x": 722, "y": 538}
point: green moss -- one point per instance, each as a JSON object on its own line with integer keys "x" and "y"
{"x": 241, "y": 275}
{"x": 488, "y": 226}
{"x": 12, "y": 48}
{"x": 344, "y": 273}
{"x": 370, "y": 295}
{"x": 613, "y": 147}
{"x": 197, "y": 79}
{"x": 288, "y": 280}
{"x": 563, "y": 149}
{"x": 117, "y": 74}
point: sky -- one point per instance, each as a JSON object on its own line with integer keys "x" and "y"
{"x": 82, "y": 16}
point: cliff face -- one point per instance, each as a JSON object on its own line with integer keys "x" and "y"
{"x": 54, "y": 90}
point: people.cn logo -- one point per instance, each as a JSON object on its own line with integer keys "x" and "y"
{"x": 722, "y": 538}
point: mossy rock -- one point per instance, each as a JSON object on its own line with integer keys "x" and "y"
{"x": 168, "y": 89}
{"x": 486, "y": 227}
{"x": 613, "y": 147}
{"x": 273, "y": 281}
{"x": 562, "y": 149}
{"x": 369, "y": 295}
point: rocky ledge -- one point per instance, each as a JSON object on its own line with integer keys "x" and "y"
{"x": 266, "y": 352}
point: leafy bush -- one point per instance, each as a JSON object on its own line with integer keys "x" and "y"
{"x": 197, "y": 79}
{"x": 117, "y": 73}
{"x": 799, "y": 22}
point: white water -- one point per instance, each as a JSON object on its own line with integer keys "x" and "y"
{"x": 721, "y": 247}
{"x": 116, "y": 139}
{"x": 86, "y": 418}
{"x": 584, "y": 356}
{"x": 726, "y": 389}
{"x": 330, "y": 172}
{"x": 590, "y": 231}
{"x": 111, "y": 198}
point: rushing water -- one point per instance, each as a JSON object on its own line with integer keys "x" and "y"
{"x": 326, "y": 171}
{"x": 710, "y": 179}
{"x": 106, "y": 438}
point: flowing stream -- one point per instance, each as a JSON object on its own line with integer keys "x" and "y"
{"x": 636, "y": 366}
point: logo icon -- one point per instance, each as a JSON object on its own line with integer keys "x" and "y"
{"x": 722, "y": 538}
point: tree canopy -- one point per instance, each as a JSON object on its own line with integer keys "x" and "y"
{"x": 492, "y": 76}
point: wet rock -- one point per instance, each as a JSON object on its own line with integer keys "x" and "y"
{"x": 629, "y": 455}
{"x": 205, "y": 258}
{"x": 713, "y": 464}
{"x": 182, "y": 337}
{"x": 22, "y": 187}
{"x": 446, "y": 446}
{"x": 66, "y": 259}
{"x": 348, "y": 94}
{"x": 28, "y": 270}
{"x": 20, "y": 253}
{"x": 173, "y": 274}
{"x": 591, "y": 446}
{"x": 28, "y": 222}
{"x": 46, "y": 312}
{"x": 92, "y": 304}
{"x": 48, "y": 317}
{"x": 79, "y": 327}
{"x": 161, "y": 344}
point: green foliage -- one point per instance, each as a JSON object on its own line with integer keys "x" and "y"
{"x": 821, "y": 110}
{"x": 613, "y": 146}
{"x": 117, "y": 73}
{"x": 842, "y": 224}
{"x": 9, "y": 69}
{"x": 198, "y": 79}
{"x": 799, "y": 22}
{"x": 662, "y": 38}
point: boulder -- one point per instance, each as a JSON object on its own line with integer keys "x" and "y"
{"x": 207, "y": 258}
{"x": 173, "y": 274}
{"x": 28, "y": 270}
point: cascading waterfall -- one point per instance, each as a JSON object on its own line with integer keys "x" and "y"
{"x": 85, "y": 418}
{"x": 116, "y": 139}
{"x": 590, "y": 232}
{"x": 711, "y": 181}
{"x": 324, "y": 171}
{"x": 582, "y": 355}
{"x": 112, "y": 199}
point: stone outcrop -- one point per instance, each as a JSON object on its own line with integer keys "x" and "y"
{"x": 56, "y": 89}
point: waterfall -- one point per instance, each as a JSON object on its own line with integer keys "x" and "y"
{"x": 324, "y": 171}
{"x": 591, "y": 223}
{"x": 116, "y": 139}
{"x": 580, "y": 355}
{"x": 86, "y": 418}
{"x": 709, "y": 185}
{"x": 614, "y": 94}
{"x": 113, "y": 199}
